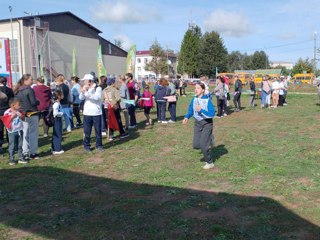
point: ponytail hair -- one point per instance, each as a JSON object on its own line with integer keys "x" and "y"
{"x": 20, "y": 83}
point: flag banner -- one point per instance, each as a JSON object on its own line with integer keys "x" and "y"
{"x": 100, "y": 67}
{"x": 112, "y": 120}
{"x": 5, "y": 60}
{"x": 74, "y": 62}
{"x": 41, "y": 66}
{"x": 6, "y": 121}
{"x": 131, "y": 60}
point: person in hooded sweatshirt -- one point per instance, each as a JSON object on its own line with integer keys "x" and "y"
{"x": 29, "y": 103}
{"x": 43, "y": 94}
{"x": 4, "y": 105}
{"x": 160, "y": 93}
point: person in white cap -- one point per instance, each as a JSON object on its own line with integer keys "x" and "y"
{"x": 91, "y": 93}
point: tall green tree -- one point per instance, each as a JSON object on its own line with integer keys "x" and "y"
{"x": 158, "y": 64}
{"x": 212, "y": 54}
{"x": 260, "y": 60}
{"x": 301, "y": 66}
{"x": 235, "y": 61}
{"x": 188, "y": 58}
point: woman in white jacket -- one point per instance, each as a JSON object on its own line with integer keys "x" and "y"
{"x": 92, "y": 112}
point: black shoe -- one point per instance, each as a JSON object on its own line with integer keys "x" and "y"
{"x": 26, "y": 157}
{"x": 79, "y": 125}
{"x": 1, "y": 151}
{"x": 124, "y": 135}
{"x": 34, "y": 156}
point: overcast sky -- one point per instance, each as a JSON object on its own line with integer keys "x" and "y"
{"x": 284, "y": 28}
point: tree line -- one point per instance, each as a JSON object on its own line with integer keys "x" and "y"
{"x": 200, "y": 54}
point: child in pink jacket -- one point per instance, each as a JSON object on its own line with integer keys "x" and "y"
{"x": 147, "y": 103}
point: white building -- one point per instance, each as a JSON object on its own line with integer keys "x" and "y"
{"x": 143, "y": 57}
{"x": 288, "y": 65}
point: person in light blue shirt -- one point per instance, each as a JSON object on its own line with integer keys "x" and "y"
{"x": 202, "y": 109}
{"x": 75, "y": 91}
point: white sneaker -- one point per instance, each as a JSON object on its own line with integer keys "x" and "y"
{"x": 131, "y": 127}
{"x": 104, "y": 134}
{"x": 165, "y": 122}
{"x": 170, "y": 121}
{"x": 147, "y": 124}
{"x": 208, "y": 166}
{"x": 159, "y": 121}
{"x": 285, "y": 104}
{"x": 225, "y": 115}
{"x": 57, "y": 153}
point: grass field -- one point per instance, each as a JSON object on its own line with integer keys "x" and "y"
{"x": 265, "y": 185}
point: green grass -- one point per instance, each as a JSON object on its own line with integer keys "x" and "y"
{"x": 151, "y": 186}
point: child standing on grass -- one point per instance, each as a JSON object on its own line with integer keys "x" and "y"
{"x": 57, "y": 125}
{"x": 15, "y": 130}
{"x": 147, "y": 104}
{"x": 202, "y": 109}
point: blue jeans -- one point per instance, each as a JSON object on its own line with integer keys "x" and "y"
{"x": 15, "y": 142}
{"x": 132, "y": 114}
{"x": 161, "y": 110}
{"x": 88, "y": 122}
{"x": 263, "y": 98}
{"x": 57, "y": 134}
{"x": 67, "y": 115}
{"x": 172, "y": 109}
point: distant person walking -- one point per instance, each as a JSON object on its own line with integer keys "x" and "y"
{"x": 252, "y": 92}
{"x": 134, "y": 93}
{"x": 237, "y": 94}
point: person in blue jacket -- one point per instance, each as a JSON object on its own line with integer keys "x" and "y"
{"x": 202, "y": 109}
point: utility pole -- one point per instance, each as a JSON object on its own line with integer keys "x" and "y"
{"x": 13, "y": 63}
{"x": 315, "y": 55}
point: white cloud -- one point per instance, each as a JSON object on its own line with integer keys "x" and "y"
{"x": 232, "y": 24}
{"x": 122, "y": 12}
{"x": 125, "y": 40}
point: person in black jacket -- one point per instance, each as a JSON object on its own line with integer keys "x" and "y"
{"x": 237, "y": 94}
{"x": 161, "y": 92}
{"x": 28, "y": 103}
{"x": 66, "y": 101}
{"x": 4, "y": 105}
{"x": 252, "y": 92}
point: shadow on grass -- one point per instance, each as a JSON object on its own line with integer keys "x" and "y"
{"x": 59, "y": 204}
{"x": 218, "y": 151}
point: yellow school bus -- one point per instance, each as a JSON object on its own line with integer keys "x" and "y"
{"x": 305, "y": 78}
{"x": 262, "y": 72}
{"x": 244, "y": 77}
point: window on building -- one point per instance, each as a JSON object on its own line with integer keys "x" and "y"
{"x": 14, "y": 55}
{"x": 139, "y": 60}
{"x": 146, "y": 60}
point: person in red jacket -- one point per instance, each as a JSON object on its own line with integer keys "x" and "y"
{"x": 43, "y": 94}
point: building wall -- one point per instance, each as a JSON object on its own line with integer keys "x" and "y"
{"x": 114, "y": 65}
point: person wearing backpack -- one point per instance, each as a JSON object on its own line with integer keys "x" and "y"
{"x": 6, "y": 94}
{"x": 57, "y": 123}
{"x": 221, "y": 93}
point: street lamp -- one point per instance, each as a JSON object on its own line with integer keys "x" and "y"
{"x": 12, "y": 46}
